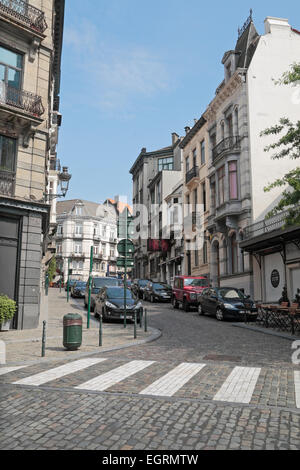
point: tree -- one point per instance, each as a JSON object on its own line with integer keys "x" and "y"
{"x": 52, "y": 269}
{"x": 288, "y": 145}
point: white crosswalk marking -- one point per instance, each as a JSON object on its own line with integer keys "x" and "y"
{"x": 107, "y": 380}
{"x": 170, "y": 383}
{"x": 239, "y": 386}
{"x": 297, "y": 388}
{"x": 58, "y": 372}
{"x": 7, "y": 370}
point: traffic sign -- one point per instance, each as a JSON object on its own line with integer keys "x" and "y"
{"x": 125, "y": 247}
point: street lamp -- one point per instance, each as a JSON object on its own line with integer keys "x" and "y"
{"x": 64, "y": 179}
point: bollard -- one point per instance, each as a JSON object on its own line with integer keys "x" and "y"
{"x": 46, "y": 284}
{"x": 141, "y": 317}
{"x": 145, "y": 321}
{"x": 134, "y": 325}
{"x": 44, "y": 338}
{"x": 100, "y": 330}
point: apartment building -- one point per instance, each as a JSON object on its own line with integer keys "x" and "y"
{"x": 246, "y": 102}
{"x": 80, "y": 226}
{"x": 30, "y": 54}
{"x": 196, "y": 202}
{"x": 154, "y": 174}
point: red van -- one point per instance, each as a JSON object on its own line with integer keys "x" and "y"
{"x": 186, "y": 289}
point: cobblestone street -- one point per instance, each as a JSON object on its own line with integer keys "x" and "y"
{"x": 203, "y": 384}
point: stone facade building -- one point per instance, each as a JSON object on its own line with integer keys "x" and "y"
{"x": 30, "y": 55}
{"x": 80, "y": 226}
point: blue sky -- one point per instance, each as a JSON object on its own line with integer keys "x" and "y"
{"x": 134, "y": 71}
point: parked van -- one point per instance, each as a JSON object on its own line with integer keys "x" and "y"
{"x": 186, "y": 290}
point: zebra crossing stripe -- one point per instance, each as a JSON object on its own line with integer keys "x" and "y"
{"x": 170, "y": 383}
{"x": 297, "y": 388}
{"x": 239, "y": 386}
{"x": 107, "y": 380}
{"x": 58, "y": 372}
{"x": 7, "y": 370}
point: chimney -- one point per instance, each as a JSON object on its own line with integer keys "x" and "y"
{"x": 144, "y": 150}
{"x": 187, "y": 129}
{"x": 175, "y": 137}
{"x": 276, "y": 25}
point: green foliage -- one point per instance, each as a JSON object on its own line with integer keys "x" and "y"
{"x": 52, "y": 269}
{"x": 8, "y": 308}
{"x": 288, "y": 145}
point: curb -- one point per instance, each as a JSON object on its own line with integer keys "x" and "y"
{"x": 267, "y": 332}
{"x": 154, "y": 336}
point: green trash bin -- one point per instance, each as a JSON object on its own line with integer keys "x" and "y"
{"x": 72, "y": 323}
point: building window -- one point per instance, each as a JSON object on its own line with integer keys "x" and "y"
{"x": 96, "y": 249}
{"x": 229, "y": 125}
{"x": 196, "y": 260}
{"x": 78, "y": 210}
{"x": 213, "y": 193}
{"x": 59, "y": 230}
{"x": 203, "y": 186}
{"x": 234, "y": 254}
{"x": 103, "y": 267}
{"x": 187, "y": 164}
{"x": 59, "y": 248}
{"x": 204, "y": 249}
{"x": 202, "y": 146}
{"x": 158, "y": 190}
{"x": 194, "y": 158}
{"x": 78, "y": 248}
{"x": 11, "y": 65}
{"x": 7, "y": 154}
{"x": 78, "y": 229}
{"x": 77, "y": 265}
{"x": 233, "y": 189}
{"x": 213, "y": 141}
{"x": 165, "y": 163}
{"x": 221, "y": 185}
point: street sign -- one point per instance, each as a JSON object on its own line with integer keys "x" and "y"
{"x": 125, "y": 247}
{"x": 121, "y": 263}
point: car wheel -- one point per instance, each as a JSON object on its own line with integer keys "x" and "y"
{"x": 219, "y": 314}
{"x": 174, "y": 302}
{"x": 186, "y": 306}
{"x": 200, "y": 309}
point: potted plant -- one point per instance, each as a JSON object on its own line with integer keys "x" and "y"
{"x": 7, "y": 310}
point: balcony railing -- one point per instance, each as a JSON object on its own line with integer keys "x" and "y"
{"x": 229, "y": 144}
{"x": 193, "y": 173}
{"x": 7, "y": 183}
{"x": 265, "y": 226}
{"x": 21, "y": 99}
{"x": 24, "y": 13}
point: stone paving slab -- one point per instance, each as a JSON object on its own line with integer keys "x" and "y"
{"x": 26, "y": 345}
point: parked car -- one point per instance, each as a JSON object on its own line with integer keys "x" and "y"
{"x": 78, "y": 289}
{"x": 138, "y": 287}
{"x": 227, "y": 302}
{"x": 157, "y": 291}
{"x": 97, "y": 284}
{"x": 110, "y": 303}
{"x": 186, "y": 290}
{"x": 71, "y": 283}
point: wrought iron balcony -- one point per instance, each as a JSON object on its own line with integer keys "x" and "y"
{"x": 21, "y": 99}
{"x": 231, "y": 143}
{"x": 265, "y": 226}
{"x": 193, "y": 173}
{"x": 24, "y": 13}
{"x": 7, "y": 183}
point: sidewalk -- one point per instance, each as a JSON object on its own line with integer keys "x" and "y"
{"x": 26, "y": 345}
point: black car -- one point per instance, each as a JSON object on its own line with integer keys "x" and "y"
{"x": 138, "y": 287}
{"x": 71, "y": 284}
{"x": 78, "y": 289}
{"x": 110, "y": 302}
{"x": 226, "y": 302}
{"x": 157, "y": 291}
{"x": 96, "y": 284}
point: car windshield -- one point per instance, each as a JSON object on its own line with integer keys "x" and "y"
{"x": 80, "y": 284}
{"x": 105, "y": 281}
{"x": 157, "y": 286}
{"x": 118, "y": 293}
{"x": 143, "y": 283}
{"x": 231, "y": 294}
{"x": 196, "y": 282}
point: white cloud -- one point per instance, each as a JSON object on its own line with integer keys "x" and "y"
{"x": 116, "y": 75}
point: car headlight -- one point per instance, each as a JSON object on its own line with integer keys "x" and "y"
{"x": 109, "y": 305}
{"x": 253, "y": 306}
{"x": 229, "y": 306}
{"x": 138, "y": 305}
